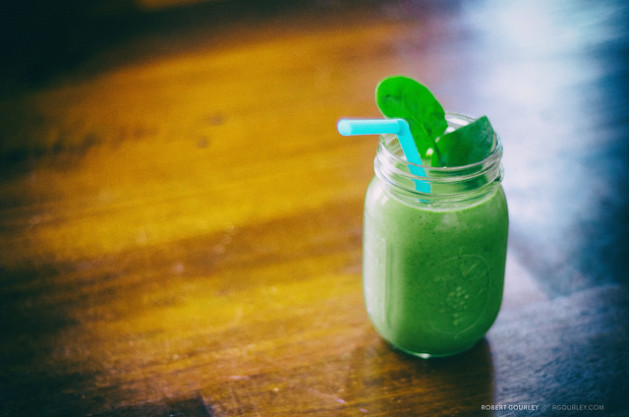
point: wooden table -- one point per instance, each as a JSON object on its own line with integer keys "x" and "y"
{"x": 180, "y": 223}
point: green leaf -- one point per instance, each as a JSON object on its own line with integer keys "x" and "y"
{"x": 402, "y": 97}
{"x": 466, "y": 145}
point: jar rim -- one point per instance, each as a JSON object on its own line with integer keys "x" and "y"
{"x": 496, "y": 153}
{"x": 450, "y": 183}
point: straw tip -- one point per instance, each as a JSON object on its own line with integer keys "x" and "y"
{"x": 344, "y": 127}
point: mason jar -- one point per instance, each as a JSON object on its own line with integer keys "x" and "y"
{"x": 434, "y": 249}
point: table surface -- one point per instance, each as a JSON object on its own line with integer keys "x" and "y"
{"x": 181, "y": 225}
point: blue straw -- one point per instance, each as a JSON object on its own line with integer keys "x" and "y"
{"x": 399, "y": 127}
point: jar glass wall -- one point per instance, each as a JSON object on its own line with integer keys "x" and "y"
{"x": 434, "y": 262}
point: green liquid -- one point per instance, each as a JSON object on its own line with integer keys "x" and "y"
{"x": 433, "y": 277}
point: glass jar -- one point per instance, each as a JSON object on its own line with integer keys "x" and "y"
{"x": 434, "y": 260}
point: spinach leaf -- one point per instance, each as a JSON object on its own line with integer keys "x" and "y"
{"x": 465, "y": 145}
{"x": 402, "y": 97}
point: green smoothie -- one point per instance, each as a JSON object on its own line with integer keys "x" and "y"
{"x": 435, "y": 222}
{"x": 433, "y": 276}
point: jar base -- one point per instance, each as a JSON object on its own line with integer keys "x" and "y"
{"x": 425, "y": 355}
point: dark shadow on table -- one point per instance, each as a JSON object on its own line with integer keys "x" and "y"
{"x": 403, "y": 385}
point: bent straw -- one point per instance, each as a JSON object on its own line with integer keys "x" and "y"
{"x": 399, "y": 127}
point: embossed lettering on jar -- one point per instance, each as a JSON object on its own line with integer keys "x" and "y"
{"x": 434, "y": 262}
